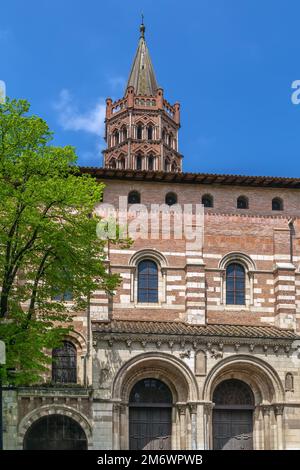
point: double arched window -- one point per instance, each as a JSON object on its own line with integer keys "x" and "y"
{"x": 147, "y": 281}
{"x": 235, "y": 284}
{"x": 64, "y": 363}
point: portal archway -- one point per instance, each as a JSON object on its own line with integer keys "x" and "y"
{"x": 55, "y": 432}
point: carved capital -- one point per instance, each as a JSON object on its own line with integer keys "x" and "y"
{"x": 181, "y": 407}
{"x": 208, "y": 407}
{"x": 193, "y": 408}
{"x": 278, "y": 409}
{"x": 118, "y": 407}
{"x": 266, "y": 410}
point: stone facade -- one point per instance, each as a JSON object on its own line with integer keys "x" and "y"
{"x": 191, "y": 339}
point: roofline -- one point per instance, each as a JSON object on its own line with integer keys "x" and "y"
{"x": 192, "y": 178}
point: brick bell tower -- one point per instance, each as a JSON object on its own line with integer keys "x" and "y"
{"x": 141, "y": 129}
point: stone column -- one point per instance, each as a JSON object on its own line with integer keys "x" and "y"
{"x": 193, "y": 412}
{"x": 278, "y": 410}
{"x": 181, "y": 407}
{"x": 208, "y": 407}
{"x": 117, "y": 407}
{"x": 266, "y": 414}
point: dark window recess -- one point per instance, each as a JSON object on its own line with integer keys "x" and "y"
{"x": 242, "y": 202}
{"x": 150, "y": 163}
{"x": 150, "y": 133}
{"x": 235, "y": 284}
{"x": 139, "y": 132}
{"x": 207, "y": 200}
{"x": 171, "y": 199}
{"x": 277, "y": 204}
{"x": 147, "y": 281}
{"x": 64, "y": 364}
{"x": 138, "y": 162}
{"x": 134, "y": 197}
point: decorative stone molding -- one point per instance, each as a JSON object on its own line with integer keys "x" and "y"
{"x": 209, "y": 343}
{"x": 186, "y": 353}
{"x": 216, "y": 354}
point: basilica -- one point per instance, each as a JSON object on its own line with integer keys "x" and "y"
{"x": 199, "y": 347}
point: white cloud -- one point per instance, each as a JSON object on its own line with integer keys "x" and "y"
{"x": 71, "y": 119}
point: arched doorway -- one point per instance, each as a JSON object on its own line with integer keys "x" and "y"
{"x": 233, "y": 416}
{"x": 150, "y": 416}
{"x": 55, "y": 432}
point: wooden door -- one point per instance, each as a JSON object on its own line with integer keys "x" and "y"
{"x": 233, "y": 429}
{"x": 150, "y": 428}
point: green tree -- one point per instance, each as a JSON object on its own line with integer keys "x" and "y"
{"x": 48, "y": 242}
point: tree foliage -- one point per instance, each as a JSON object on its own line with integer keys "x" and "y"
{"x": 48, "y": 242}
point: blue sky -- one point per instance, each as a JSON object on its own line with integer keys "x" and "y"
{"x": 230, "y": 63}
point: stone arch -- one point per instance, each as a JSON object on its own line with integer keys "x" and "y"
{"x": 162, "y": 366}
{"x": 239, "y": 257}
{"x": 267, "y": 390}
{"x": 259, "y": 375}
{"x": 149, "y": 253}
{"x": 46, "y": 410}
{"x": 78, "y": 340}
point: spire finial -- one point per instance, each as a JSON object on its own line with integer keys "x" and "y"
{"x": 142, "y": 27}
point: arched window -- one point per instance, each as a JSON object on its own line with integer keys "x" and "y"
{"x": 207, "y": 200}
{"x": 150, "y": 163}
{"x": 134, "y": 197}
{"x": 55, "y": 432}
{"x": 170, "y": 139}
{"x": 122, "y": 162}
{"x": 124, "y": 133}
{"x": 112, "y": 163}
{"x": 139, "y": 162}
{"x": 235, "y": 284}
{"x": 277, "y": 204}
{"x": 150, "y": 132}
{"x": 171, "y": 199}
{"x": 116, "y": 137}
{"x": 242, "y": 202}
{"x": 166, "y": 164}
{"x": 64, "y": 363}
{"x": 174, "y": 167}
{"x": 139, "y": 132}
{"x": 147, "y": 281}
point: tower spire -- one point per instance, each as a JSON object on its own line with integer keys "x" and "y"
{"x": 142, "y": 76}
{"x": 142, "y": 28}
